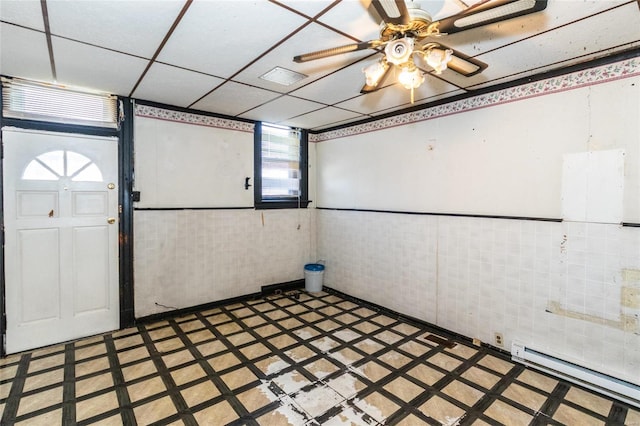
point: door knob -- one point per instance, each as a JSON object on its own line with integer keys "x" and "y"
{"x": 111, "y": 220}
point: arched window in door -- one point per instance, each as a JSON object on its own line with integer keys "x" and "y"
{"x": 54, "y": 165}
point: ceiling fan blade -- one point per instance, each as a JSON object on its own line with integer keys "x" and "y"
{"x": 325, "y": 53}
{"x": 368, "y": 89}
{"x": 464, "y": 64}
{"x": 392, "y": 11}
{"x": 488, "y": 12}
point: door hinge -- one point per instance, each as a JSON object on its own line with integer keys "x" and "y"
{"x": 119, "y": 208}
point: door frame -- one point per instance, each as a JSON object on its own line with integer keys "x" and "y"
{"x": 124, "y": 133}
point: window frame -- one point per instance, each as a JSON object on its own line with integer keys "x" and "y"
{"x": 260, "y": 202}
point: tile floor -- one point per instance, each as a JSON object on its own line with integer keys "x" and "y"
{"x": 315, "y": 359}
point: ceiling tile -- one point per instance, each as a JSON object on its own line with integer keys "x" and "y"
{"x": 221, "y": 37}
{"x": 323, "y": 118}
{"x": 24, "y": 53}
{"x": 351, "y": 17}
{"x": 309, "y": 8}
{"x": 234, "y": 98}
{"x": 311, "y": 38}
{"x": 87, "y": 66}
{"x": 22, "y": 12}
{"x": 175, "y": 86}
{"x": 281, "y": 109}
{"x": 115, "y": 25}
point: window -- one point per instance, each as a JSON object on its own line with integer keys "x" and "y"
{"x": 280, "y": 167}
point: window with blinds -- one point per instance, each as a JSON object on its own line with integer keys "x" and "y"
{"x": 280, "y": 167}
{"x": 280, "y": 162}
{"x": 43, "y": 102}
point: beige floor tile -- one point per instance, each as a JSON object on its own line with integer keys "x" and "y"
{"x": 406, "y": 329}
{"x": 524, "y": 396}
{"x": 463, "y": 351}
{"x": 384, "y": 320}
{"x": 507, "y": 414}
{"x": 306, "y": 333}
{"x": 267, "y": 330}
{"x": 93, "y": 384}
{"x": 347, "y": 335}
{"x": 8, "y": 372}
{"x": 191, "y": 325}
{"x": 425, "y": 374}
{"x": 228, "y": 328}
{"x": 272, "y": 365}
{"x": 169, "y": 345}
{"x": 50, "y": 418}
{"x": 40, "y": 400}
{"x": 346, "y": 356}
{"x": 388, "y": 337}
{"x": 347, "y": 385}
{"x": 89, "y": 351}
{"x": 146, "y": 388}
{"x": 373, "y": 371}
{"x": 347, "y": 318}
{"x": 299, "y": 353}
{"x": 161, "y": 333}
{"x": 211, "y": 348}
{"x": 404, "y": 389}
{"x": 49, "y": 350}
{"x": 311, "y": 317}
{"x": 238, "y": 378}
{"x": 197, "y": 394}
{"x": 496, "y": 364}
{"x": 538, "y": 380}
{"x": 138, "y": 370}
{"x": 291, "y": 381}
{"x": 46, "y": 362}
{"x": 257, "y": 397}
{"x": 481, "y": 377}
{"x": 276, "y": 315}
{"x": 570, "y": 416}
{"x": 241, "y": 338}
{"x": 364, "y": 312}
{"x": 313, "y": 303}
{"x": 115, "y": 420}
{"x": 9, "y": 359}
{"x": 43, "y": 379}
{"x": 325, "y": 344}
{"x": 282, "y": 416}
{"x": 368, "y": 346}
{"x": 5, "y": 388}
{"x": 346, "y": 305}
{"x": 321, "y": 368}
{"x": 289, "y": 323}
{"x": 255, "y": 351}
{"x": 187, "y": 374}
{"x": 131, "y": 355}
{"x": 200, "y": 336}
{"x": 94, "y": 406}
{"x": 222, "y": 362}
{"x": 177, "y": 358}
{"x": 282, "y": 341}
{"x": 155, "y": 410}
{"x": 394, "y": 359}
{"x": 218, "y": 318}
{"x": 126, "y": 342}
{"x": 331, "y": 311}
{"x": 242, "y": 312}
{"x": 254, "y": 321}
{"x": 415, "y": 348}
{"x": 327, "y": 325}
{"x": 589, "y": 400}
{"x": 87, "y": 367}
{"x": 463, "y": 392}
{"x": 633, "y": 418}
{"x": 297, "y": 309}
{"x": 444, "y": 361}
{"x": 441, "y": 410}
{"x": 377, "y": 406}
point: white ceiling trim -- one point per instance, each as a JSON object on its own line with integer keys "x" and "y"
{"x": 596, "y": 75}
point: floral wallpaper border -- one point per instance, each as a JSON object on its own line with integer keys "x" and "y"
{"x": 609, "y": 72}
{"x": 191, "y": 118}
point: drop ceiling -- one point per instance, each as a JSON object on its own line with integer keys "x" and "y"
{"x": 209, "y": 55}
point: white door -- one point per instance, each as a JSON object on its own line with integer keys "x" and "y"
{"x": 61, "y": 237}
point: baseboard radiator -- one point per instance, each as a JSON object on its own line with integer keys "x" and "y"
{"x": 608, "y": 385}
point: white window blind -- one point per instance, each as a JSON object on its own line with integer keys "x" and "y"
{"x": 280, "y": 162}
{"x": 38, "y": 101}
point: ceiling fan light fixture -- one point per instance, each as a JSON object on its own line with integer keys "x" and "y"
{"x": 374, "y": 72}
{"x": 438, "y": 58}
{"x": 411, "y": 77}
{"x": 399, "y": 51}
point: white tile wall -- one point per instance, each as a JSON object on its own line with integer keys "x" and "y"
{"x": 190, "y": 257}
{"x": 478, "y": 276}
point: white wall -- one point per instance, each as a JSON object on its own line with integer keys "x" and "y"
{"x": 185, "y": 256}
{"x": 558, "y": 287}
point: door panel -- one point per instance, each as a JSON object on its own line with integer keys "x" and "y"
{"x": 61, "y": 239}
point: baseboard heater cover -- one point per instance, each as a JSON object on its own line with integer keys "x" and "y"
{"x": 605, "y": 384}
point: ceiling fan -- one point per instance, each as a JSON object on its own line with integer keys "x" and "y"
{"x": 410, "y": 40}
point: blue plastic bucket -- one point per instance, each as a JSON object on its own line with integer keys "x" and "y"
{"x": 313, "y": 273}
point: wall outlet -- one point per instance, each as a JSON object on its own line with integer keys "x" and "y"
{"x": 498, "y": 340}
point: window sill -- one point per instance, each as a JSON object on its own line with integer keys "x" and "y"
{"x": 282, "y": 204}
